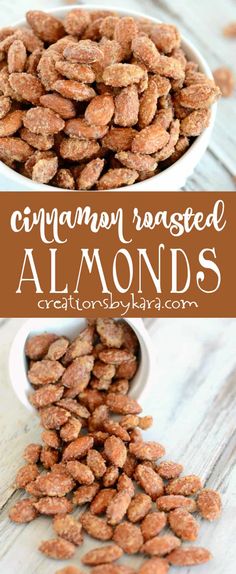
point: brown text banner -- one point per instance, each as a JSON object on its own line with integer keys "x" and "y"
{"x": 121, "y": 254}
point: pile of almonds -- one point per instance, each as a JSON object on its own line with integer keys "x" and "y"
{"x": 93, "y": 454}
{"x": 97, "y": 101}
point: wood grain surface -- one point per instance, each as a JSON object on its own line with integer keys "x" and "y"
{"x": 193, "y": 402}
{"x": 202, "y": 23}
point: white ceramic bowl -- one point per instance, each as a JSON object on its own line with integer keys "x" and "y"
{"x": 172, "y": 178}
{"x": 71, "y": 328}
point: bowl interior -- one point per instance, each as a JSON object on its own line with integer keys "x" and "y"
{"x": 70, "y": 328}
{"x": 199, "y": 143}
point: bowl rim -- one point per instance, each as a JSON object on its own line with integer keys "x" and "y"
{"x": 17, "y": 368}
{"x": 200, "y": 141}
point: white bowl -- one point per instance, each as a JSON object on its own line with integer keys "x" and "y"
{"x": 172, "y": 178}
{"x": 71, "y": 328}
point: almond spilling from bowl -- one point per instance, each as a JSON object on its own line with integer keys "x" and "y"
{"x": 125, "y": 82}
{"x": 94, "y": 454}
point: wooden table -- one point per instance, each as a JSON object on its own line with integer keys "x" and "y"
{"x": 193, "y": 402}
{"x": 202, "y": 23}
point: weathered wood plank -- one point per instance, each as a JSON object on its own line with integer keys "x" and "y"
{"x": 210, "y": 175}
